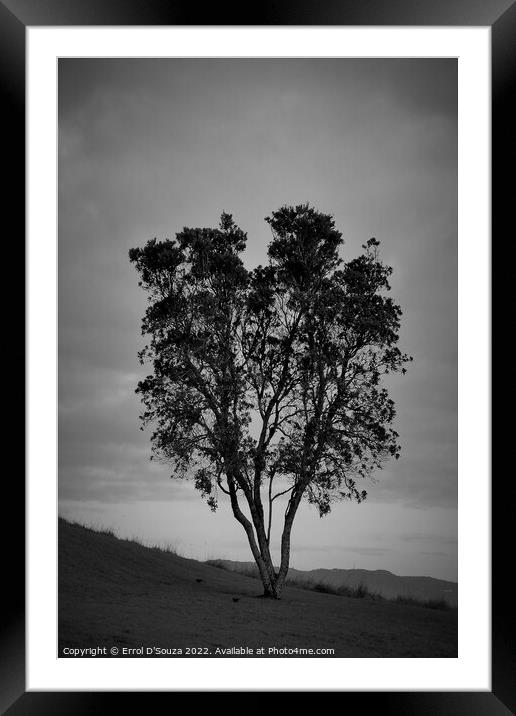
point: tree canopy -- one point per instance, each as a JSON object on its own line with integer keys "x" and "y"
{"x": 267, "y": 382}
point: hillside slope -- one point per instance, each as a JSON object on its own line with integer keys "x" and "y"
{"x": 378, "y": 581}
{"x": 119, "y": 593}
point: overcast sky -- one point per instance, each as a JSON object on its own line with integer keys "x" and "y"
{"x": 147, "y": 147}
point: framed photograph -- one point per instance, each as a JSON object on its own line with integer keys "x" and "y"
{"x": 258, "y": 257}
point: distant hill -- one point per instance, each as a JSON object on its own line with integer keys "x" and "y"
{"x": 118, "y": 593}
{"x": 378, "y": 581}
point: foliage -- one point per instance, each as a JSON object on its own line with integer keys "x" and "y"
{"x": 270, "y": 377}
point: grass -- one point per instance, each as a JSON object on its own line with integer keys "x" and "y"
{"x": 117, "y": 592}
{"x": 427, "y": 603}
{"x": 359, "y": 591}
{"x": 165, "y": 547}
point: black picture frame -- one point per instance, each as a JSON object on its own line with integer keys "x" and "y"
{"x": 15, "y": 17}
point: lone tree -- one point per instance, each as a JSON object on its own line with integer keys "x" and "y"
{"x": 267, "y": 382}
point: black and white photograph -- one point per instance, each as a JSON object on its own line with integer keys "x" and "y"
{"x": 260, "y": 292}
{"x": 257, "y": 357}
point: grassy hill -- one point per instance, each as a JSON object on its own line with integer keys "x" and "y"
{"x": 115, "y": 592}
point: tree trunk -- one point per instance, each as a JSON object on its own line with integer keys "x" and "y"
{"x": 248, "y": 527}
{"x": 285, "y": 540}
{"x": 273, "y": 586}
{"x": 285, "y": 555}
{"x": 273, "y": 582}
{"x": 262, "y": 555}
{"x": 259, "y": 524}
